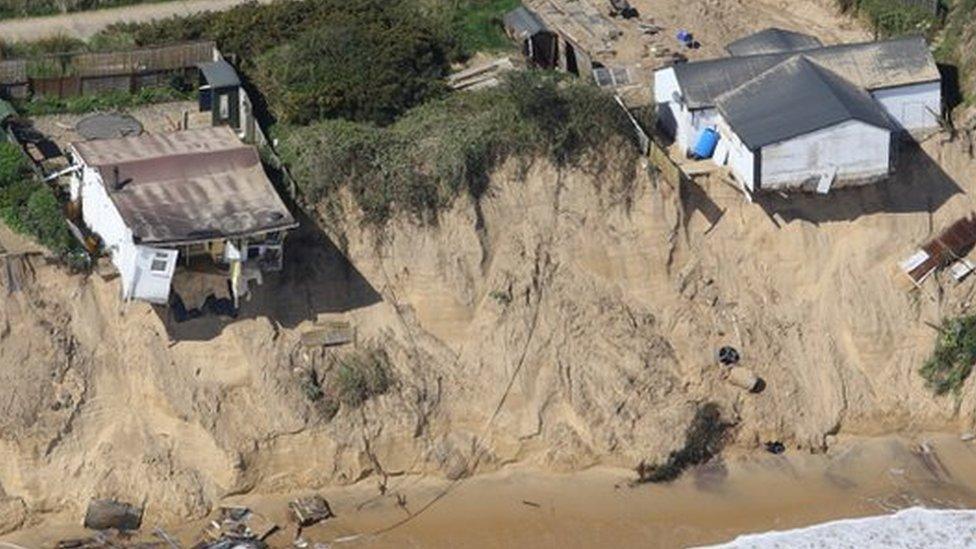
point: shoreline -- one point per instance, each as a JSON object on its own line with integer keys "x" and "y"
{"x": 731, "y": 496}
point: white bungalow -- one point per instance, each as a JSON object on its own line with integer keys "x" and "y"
{"x": 195, "y": 193}
{"x": 802, "y": 113}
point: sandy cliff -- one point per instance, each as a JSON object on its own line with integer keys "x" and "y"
{"x": 567, "y": 320}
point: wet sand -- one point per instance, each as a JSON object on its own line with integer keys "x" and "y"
{"x": 521, "y": 507}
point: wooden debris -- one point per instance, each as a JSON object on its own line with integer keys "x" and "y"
{"x": 328, "y": 334}
{"x": 310, "y": 510}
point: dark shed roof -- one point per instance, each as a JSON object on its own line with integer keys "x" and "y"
{"x": 868, "y": 65}
{"x": 773, "y": 40}
{"x": 522, "y": 23}
{"x": 220, "y": 74}
{"x": 794, "y": 98}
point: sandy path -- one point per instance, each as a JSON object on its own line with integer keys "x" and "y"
{"x": 84, "y": 25}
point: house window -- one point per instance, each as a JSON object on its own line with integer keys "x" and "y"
{"x": 159, "y": 263}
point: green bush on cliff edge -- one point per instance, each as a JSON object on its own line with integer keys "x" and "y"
{"x": 952, "y": 361}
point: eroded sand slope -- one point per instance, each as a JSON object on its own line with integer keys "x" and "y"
{"x": 564, "y": 322}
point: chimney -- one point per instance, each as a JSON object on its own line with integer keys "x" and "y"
{"x": 117, "y": 184}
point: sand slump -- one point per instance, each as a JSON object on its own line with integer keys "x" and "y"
{"x": 571, "y": 326}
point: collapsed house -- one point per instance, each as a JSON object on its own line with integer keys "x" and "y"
{"x": 199, "y": 195}
{"x": 784, "y": 112}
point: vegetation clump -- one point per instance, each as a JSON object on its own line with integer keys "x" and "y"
{"x": 362, "y": 376}
{"x": 952, "y": 360}
{"x": 28, "y": 206}
{"x": 892, "y": 17}
{"x": 704, "y": 439}
{"x": 370, "y": 65}
{"x": 448, "y": 147}
{"x": 106, "y": 101}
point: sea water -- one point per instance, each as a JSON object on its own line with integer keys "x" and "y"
{"x": 915, "y": 528}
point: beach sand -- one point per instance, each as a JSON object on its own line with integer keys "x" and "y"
{"x": 714, "y": 503}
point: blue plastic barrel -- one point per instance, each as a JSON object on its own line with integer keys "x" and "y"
{"x": 684, "y": 36}
{"x": 707, "y": 141}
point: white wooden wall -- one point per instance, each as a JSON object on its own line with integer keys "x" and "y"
{"x": 101, "y": 216}
{"x": 679, "y": 122}
{"x": 857, "y": 150}
{"x": 914, "y": 107}
{"x": 734, "y": 153}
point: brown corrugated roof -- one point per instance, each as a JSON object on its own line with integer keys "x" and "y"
{"x": 187, "y": 186}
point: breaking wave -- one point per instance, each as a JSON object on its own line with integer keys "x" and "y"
{"x": 909, "y": 528}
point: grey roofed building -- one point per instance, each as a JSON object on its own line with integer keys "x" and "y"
{"x": 522, "y": 23}
{"x": 868, "y": 65}
{"x": 773, "y": 40}
{"x": 188, "y": 186}
{"x": 794, "y": 98}
{"x": 220, "y": 74}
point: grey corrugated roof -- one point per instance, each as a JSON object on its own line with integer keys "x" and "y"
{"x": 188, "y": 186}
{"x": 773, "y": 40}
{"x": 523, "y": 23}
{"x": 869, "y": 65}
{"x": 220, "y": 74}
{"x": 794, "y": 98}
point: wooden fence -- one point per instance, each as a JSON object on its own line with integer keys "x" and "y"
{"x": 69, "y": 75}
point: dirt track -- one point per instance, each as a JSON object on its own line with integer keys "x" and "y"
{"x": 84, "y": 25}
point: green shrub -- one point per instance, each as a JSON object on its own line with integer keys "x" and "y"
{"x": 107, "y": 101}
{"x": 363, "y": 376}
{"x": 480, "y": 27}
{"x": 704, "y": 438}
{"x": 892, "y": 17}
{"x": 28, "y": 206}
{"x": 44, "y": 221}
{"x": 451, "y": 146}
{"x": 370, "y": 65}
{"x": 13, "y": 165}
{"x": 952, "y": 360}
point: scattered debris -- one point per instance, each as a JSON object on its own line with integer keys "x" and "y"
{"x": 104, "y": 514}
{"x": 727, "y": 356}
{"x": 775, "y": 447}
{"x": 966, "y": 437}
{"x": 310, "y": 510}
{"x": 623, "y": 9}
{"x": 952, "y": 244}
{"x": 530, "y": 503}
{"x": 237, "y": 528}
{"x": 744, "y": 378}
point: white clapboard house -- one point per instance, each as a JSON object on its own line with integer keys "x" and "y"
{"x": 794, "y": 114}
{"x": 155, "y": 198}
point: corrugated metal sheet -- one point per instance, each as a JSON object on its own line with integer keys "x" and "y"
{"x": 773, "y": 40}
{"x": 187, "y": 186}
{"x": 522, "y": 23}
{"x": 794, "y": 98}
{"x": 870, "y": 65}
